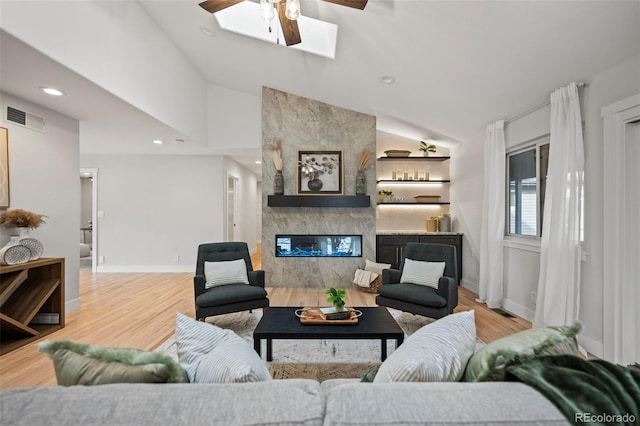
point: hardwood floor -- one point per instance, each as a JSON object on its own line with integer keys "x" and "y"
{"x": 137, "y": 310}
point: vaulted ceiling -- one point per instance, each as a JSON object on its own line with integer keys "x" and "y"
{"x": 457, "y": 64}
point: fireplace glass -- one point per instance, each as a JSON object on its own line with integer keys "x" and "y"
{"x": 318, "y": 245}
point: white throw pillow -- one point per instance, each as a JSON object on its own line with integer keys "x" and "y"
{"x": 422, "y": 273}
{"x": 227, "y": 272}
{"x": 195, "y": 342}
{"x": 375, "y": 267}
{"x": 438, "y": 352}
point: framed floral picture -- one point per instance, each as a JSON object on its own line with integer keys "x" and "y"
{"x": 320, "y": 172}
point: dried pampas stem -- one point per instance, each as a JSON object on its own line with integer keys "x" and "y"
{"x": 364, "y": 159}
{"x": 276, "y": 153}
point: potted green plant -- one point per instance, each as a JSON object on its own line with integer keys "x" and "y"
{"x": 336, "y": 298}
{"x": 385, "y": 195}
{"x": 426, "y": 148}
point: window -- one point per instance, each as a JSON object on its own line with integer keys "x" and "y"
{"x": 526, "y": 181}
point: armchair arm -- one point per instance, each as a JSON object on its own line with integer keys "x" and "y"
{"x": 448, "y": 288}
{"x": 198, "y": 285}
{"x": 391, "y": 276}
{"x": 256, "y": 278}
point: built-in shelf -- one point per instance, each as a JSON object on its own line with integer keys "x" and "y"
{"x": 412, "y": 204}
{"x": 413, "y": 181}
{"x": 318, "y": 201}
{"x": 413, "y": 158}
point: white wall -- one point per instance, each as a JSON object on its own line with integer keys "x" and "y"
{"x": 157, "y": 78}
{"x": 43, "y": 168}
{"x": 234, "y": 119}
{"x": 522, "y": 260}
{"x": 156, "y": 208}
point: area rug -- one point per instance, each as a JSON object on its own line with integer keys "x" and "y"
{"x": 313, "y": 359}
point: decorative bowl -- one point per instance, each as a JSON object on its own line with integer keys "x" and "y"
{"x": 426, "y": 198}
{"x": 397, "y": 153}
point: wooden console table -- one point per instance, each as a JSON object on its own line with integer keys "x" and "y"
{"x": 31, "y": 301}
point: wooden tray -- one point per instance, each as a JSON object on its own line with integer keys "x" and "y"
{"x": 314, "y": 317}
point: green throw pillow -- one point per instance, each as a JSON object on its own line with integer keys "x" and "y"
{"x": 369, "y": 376}
{"x": 489, "y": 363}
{"x": 79, "y": 364}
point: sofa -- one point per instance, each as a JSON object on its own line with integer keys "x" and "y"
{"x": 280, "y": 402}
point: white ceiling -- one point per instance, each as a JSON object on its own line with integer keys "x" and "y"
{"x": 458, "y": 65}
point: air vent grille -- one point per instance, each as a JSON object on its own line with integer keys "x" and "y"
{"x": 16, "y": 116}
{"x": 24, "y": 118}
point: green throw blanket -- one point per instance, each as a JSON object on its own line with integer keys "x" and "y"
{"x": 595, "y": 392}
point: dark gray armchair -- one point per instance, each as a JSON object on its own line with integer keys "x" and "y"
{"x": 420, "y": 299}
{"x": 231, "y": 297}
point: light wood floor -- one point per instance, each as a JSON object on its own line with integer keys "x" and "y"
{"x": 137, "y": 310}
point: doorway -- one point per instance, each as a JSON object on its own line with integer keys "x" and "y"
{"x": 622, "y": 231}
{"x": 88, "y": 219}
{"x": 231, "y": 208}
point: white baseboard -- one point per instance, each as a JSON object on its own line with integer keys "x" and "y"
{"x": 72, "y": 305}
{"x": 470, "y": 285}
{"x": 518, "y": 309}
{"x": 146, "y": 268}
{"x": 591, "y": 345}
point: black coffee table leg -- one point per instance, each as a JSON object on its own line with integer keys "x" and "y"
{"x": 257, "y": 345}
{"x": 269, "y": 350}
{"x": 383, "y": 349}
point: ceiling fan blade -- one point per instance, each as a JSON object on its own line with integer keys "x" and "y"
{"x": 290, "y": 28}
{"x": 214, "y": 6}
{"x": 356, "y": 4}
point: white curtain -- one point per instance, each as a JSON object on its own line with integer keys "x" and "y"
{"x": 492, "y": 231}
{"x": 560, "y": 251}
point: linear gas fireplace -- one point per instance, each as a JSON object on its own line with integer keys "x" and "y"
{"x": 318, "y": 245}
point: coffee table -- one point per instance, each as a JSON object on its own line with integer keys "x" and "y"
{"x": 282, "y": 323}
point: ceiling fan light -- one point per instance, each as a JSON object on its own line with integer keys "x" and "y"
{"x": 292, "y": 11}
{"x": 266, "y": 10}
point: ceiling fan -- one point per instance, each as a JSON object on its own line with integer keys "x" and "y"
{"x": 287, "y": 11}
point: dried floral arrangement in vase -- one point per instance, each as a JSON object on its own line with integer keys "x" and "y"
{"x": 278, "y": 179}
{"x": 364, "y": 160}
{"x": 19, "y": 218}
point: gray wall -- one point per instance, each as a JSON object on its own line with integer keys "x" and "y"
{"x": 43, "y": 170}
{"x": 522, "y": 259}
{"x": 307, "y": 124}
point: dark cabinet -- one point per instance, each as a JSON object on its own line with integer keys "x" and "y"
{"x": 389, "y": 248}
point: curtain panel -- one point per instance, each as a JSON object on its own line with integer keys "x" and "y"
{"x": 493, "y": 213}
{"x": 560, "y": 249}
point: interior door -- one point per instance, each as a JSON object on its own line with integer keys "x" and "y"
{"x": 231, "y": 207}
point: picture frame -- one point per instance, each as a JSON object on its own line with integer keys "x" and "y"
{"x": 320, "y": 172}
{"x": 4, "y": 168}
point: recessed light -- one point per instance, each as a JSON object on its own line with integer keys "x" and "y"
{"x": 51, "y": 91}
{"x": 179, "y": 141}
{"x": 207, "y": 31}
{"x": 258, "y": 162}
{"x": 388, "y": 79}
{"x": 158, "y": 141}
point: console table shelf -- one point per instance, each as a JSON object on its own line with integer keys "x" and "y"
{"x": 413, "y": 158}
{"x": 318, "y": 201}
{"x": 25, "y": 291}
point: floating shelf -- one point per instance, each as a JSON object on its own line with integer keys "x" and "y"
{"x": 412, "y": 181}
{"x": 413, "y": 158}
{"x": 319, "y": 201}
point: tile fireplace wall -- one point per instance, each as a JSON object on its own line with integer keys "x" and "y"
{"x": 305, "y": 124}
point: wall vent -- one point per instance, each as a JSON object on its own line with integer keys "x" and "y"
{"x": 23, "y": 118}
